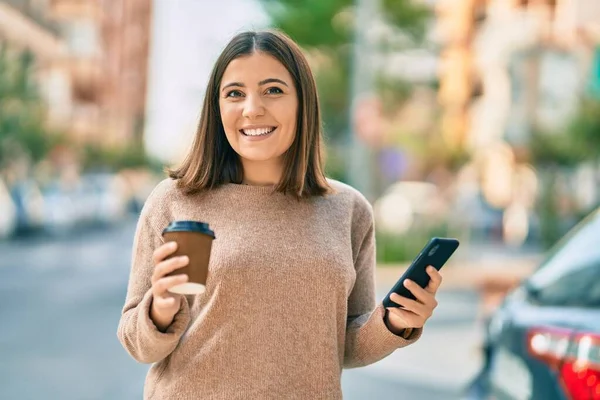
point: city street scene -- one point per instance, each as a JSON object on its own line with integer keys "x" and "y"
{"x": 470, "y": 119}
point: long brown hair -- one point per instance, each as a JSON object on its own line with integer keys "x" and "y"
{"x": 212, "y": 161}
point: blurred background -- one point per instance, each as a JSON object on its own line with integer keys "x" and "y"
{"x": 476, "y": 119}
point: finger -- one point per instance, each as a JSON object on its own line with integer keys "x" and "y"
{"x": 405, "y": 318}
{"x": 166, "y": 267}
{"x": 409, "y": 304}
{"x": 170, "y": 301}
{"x": 163, "y": 285}
{"x": 436, "y": 280}
{"x": 164, "y": 302}
{"x": 422, "y": 295}
{"x": 163, "y": 251}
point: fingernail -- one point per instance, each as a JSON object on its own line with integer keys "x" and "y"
{"x": 183, "y": 258}
{"x": 173, "y": 245}
{"x": 407, "y": 282}
{"x": 430, "y": 268}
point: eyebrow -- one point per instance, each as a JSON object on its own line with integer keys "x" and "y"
{"x": 261, "y": 83}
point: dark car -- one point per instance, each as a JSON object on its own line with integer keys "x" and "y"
{"x": 543, "y": 342}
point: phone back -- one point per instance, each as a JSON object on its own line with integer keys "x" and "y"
{"x": 436, "y": 253}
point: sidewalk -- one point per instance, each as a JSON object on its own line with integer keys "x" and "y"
{"x": 448, "y": 356}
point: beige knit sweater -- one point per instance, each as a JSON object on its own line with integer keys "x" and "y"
{"x": 290, "y": 297}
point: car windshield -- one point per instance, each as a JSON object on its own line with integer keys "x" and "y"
{"x": 570, "y": 273}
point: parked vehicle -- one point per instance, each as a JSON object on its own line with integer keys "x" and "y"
{"x": 61, "y": 209}
{"x": 94, "y": 200}
{"x": 107, "y": 197}
{"x": 29, "y": 205}
{"x": 8, "y": 212}
{"x": 543, "y": 342}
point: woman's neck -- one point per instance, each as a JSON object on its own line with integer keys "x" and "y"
{"x": 262, "y": 173}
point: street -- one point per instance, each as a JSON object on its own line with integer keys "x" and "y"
{"x": 60, "y": 302}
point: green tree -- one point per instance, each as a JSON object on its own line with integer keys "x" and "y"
{"x": 22, "y": 111}
{"x": 97, "y": 157}
{"x": 563, "y": 150}
{"x": 586, "y": 129}
{"x": 578, "y": 142}
{"x": 325, "y": 29}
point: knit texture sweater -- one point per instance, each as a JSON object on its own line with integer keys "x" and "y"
{"x": 290, "y": 296}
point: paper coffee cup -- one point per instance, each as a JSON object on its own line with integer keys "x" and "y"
{"x": 194, "y": 239}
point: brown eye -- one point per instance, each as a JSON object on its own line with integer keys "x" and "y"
{"x": 234, "y": 93}
{"x": 274, "y": 90}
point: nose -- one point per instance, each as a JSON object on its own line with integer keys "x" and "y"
{"x": 253, "y": 107}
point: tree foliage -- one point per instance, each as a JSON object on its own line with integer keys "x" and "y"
{"x": 22, "y": 131}
{"x": 326, "y": 28}
{"x": 578, "y": 142}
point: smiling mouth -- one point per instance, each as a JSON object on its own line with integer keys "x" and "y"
{"x": 258, "y": 132}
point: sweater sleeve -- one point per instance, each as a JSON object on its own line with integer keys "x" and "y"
{"x": 368, "y": 339}
{"x": 136, "y": 331}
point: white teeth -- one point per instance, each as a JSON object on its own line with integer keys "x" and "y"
{"x": 257, "y": 132}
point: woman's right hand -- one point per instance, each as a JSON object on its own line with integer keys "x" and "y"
{"x": 164, "y": 303}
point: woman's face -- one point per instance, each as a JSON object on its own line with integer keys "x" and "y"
{"x": 259, "y": 106}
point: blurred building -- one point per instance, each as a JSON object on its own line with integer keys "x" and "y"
{"x": 508, "y": 66}
{"x": 36, "y": 10}
{"x": 456, "y": 28}
{"x": 108, "y": 42}
{"x": 126, "y": 36}
{"x": 92, "y": 58}
{"x": 509, "y": 69}
{"x": 24, "y": 28}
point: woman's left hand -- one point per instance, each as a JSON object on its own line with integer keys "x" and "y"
{"x": 415, "y": 312}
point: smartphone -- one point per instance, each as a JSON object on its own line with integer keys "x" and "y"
{"x": 436, "y": 253}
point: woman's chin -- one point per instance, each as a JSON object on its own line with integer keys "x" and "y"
{"x": 257, "y": 157}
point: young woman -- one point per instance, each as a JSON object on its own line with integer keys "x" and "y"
{"x": 290, "y": 299}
